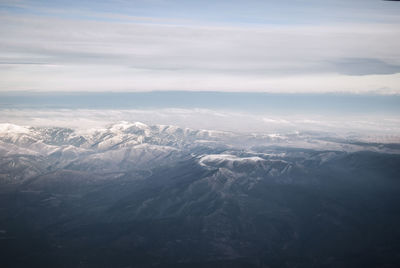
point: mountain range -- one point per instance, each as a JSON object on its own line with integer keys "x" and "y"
{"x": 137, "y": 195}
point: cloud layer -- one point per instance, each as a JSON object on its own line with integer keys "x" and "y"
{"x": 115, "y": 52}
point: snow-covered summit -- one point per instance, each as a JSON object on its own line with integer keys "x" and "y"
{"x": 11, "y": 128}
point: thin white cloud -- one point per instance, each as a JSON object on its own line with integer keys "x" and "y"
{"x": 115, "y": 78}
{"x": 48, "y": 53}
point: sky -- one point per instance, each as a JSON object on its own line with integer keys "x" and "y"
{"x": 297, "y": 46}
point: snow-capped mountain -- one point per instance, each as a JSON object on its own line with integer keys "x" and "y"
{"x": 165, "y": 196}
{"x": 126, "y": 146}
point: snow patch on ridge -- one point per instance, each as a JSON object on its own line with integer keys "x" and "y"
{"x": 218, "y": 158}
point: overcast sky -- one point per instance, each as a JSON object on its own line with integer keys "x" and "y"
{"x": 265, "y": 46}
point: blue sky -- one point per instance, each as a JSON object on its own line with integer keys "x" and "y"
{"x": 234, "y": 11}
{"x": 293, "y": 46}
{"x": 263, "y": 103}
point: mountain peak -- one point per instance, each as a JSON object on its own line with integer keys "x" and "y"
{"x": 124, "y": 126}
